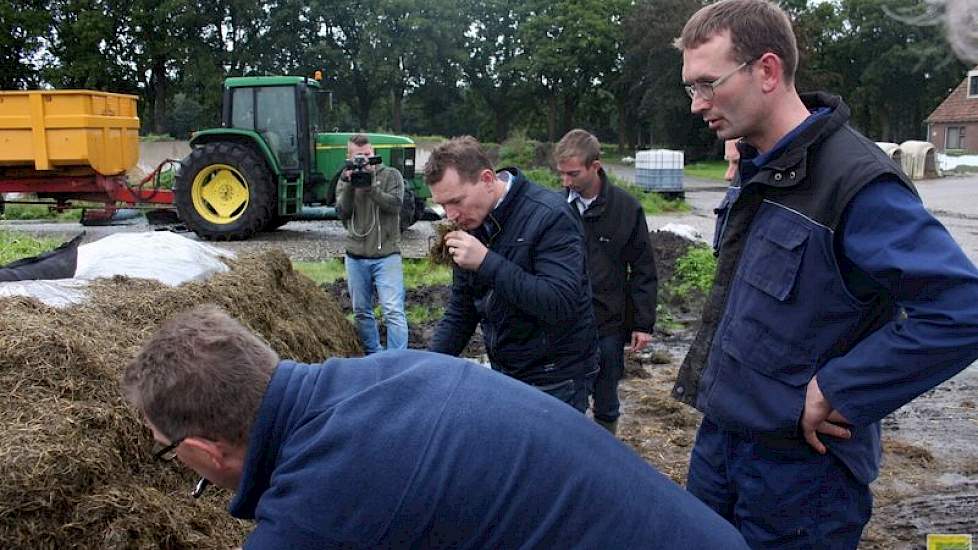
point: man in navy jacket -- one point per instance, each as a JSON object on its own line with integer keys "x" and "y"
{"x": 403, "y": 449}
{"x": 521, "y": 273}
{"x": 838, "y": 298}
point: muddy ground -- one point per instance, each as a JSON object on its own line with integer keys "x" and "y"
{"x": 929, "y": 479}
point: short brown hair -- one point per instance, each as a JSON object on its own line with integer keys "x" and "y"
{"x": 756, "y": 27}
{"x": 464, "y": 154}
{"x": 578, "y": 143}
{"x": 202, "y": 374}
{"x": 359, "y": 140}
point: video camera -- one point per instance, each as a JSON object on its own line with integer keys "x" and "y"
{"x": 359, "y": 175}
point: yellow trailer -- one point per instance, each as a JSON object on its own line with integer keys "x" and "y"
{"x": 79, "y": 131}
{"x": 74, "y": 145}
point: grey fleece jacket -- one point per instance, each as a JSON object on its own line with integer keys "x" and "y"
{"x": 372, "y": 217}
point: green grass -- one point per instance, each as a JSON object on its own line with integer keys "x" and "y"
{"x": 652, "y": 203}
{"x": 416, "y": 314}
{"x": 39, "y": 212}
{"x": 710, "y": 169}
{"x": 419, "y": 313}
{"x": 15, "y": 245}
{"x": 322, "y": 272}
{"x": 418, "y": 272}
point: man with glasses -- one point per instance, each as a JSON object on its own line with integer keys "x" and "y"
{"x": 405, "y": 449}
{"x": 837, "y": 299}
{"x": 620, "y": 264}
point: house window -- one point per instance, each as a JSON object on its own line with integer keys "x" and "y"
{"x": 954, "y": 139}
{"x": 973, "y": 86}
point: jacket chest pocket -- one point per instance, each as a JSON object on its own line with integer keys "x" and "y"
{"x": 773, "y": 257}
{"x": 769, "y": 327}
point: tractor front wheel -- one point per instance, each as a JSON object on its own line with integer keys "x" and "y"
{"x": 224, "y": 192}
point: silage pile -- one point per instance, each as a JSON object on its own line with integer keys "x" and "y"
{"x": 75, "y": 461}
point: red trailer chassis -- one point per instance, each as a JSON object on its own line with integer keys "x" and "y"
{"x": 108, "y": 190}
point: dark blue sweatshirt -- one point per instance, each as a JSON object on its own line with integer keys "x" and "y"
{"x": 411, "y": 449}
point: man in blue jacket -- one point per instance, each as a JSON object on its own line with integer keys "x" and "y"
{"x": 403, "y": 449}
{"x": 521, "y": 273}
{"x": 838, "y": 298}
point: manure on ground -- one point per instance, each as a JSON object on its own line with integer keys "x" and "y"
{"x": 75, "y": 459}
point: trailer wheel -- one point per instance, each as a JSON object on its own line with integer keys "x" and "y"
{"x": 224, "y": 192}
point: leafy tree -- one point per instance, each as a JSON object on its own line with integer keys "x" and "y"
{"x": 184, "y": 116}
{"x": 571, "y": 45}
{"x": 418, "y": 39}
{"x": 89, "y": 50}
{"x": 891, "y": 73}
{"x": 492, "y": 47}
{"x": 23, "y": 24}
{"x": 360, "y": 74}
{"x": 653, "y": 69}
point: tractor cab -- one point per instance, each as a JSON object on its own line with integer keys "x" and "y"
{"x": 272, "y": 162}
{"x": 284, "y": 111}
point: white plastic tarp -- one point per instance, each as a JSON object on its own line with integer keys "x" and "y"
{"x": 158, "y": 255}
{"x": 687, "y": 232}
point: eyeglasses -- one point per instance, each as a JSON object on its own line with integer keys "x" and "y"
{"x": 168, "y": 452}
{"x": 706, "y": 90}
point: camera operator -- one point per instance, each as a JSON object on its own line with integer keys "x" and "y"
{"x": 369, "y": 204}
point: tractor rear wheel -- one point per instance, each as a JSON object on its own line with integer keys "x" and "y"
{"x": 224, "y": 192}
{"x": 276, "y": 222}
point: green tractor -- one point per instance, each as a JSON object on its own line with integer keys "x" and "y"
{"x": 271, "y": 162}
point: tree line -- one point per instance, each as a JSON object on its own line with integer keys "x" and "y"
{"x": 490, "y": 68}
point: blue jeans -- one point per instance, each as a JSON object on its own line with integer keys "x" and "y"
{"x": 386, "y": 273}
{"x": 778, "y": 492}
{"x": 611, "y": 366}
{"x": 574, "y": 392}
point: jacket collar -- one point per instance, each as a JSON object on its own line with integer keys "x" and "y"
{"x": 265, "y": 438}
{"x": 496, "y": 220}
{"x": 600, "y": 202}
{"x": 790, "y": 167}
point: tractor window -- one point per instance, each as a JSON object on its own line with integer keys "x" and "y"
{"x": 277, "y": 123}
{"x": 243, "y": 109}
{"x": 318, "y": 110}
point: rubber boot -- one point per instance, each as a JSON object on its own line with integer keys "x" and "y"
{"x": 610, "y": 426}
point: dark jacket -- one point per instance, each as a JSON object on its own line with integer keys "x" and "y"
{"x": 787, "y": 303}
{"x": 620, "y": 262}
{"x": 409, "y": 449}
{"x": 531, "y": 293}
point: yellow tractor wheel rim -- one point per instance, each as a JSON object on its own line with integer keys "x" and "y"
{"x": 220, "y": 194}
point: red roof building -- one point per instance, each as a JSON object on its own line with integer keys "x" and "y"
{"x": 953, "y": 126}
